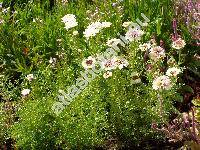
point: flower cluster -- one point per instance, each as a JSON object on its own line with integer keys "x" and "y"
{"x": 164, "y": 82}
{"x": 178, "y": 44}
{"x": 113, "y": 63}
{"x": 157, "y": 53}
{"x": 26, "y": 92}
{"x": 106, "y": 64}
{"x": 173, "y": 72}
{"x": 70, "y": 21}
{"x": 134, "y": 34}
{"x": 95, "y": 28}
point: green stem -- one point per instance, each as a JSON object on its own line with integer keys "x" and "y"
{"x": 179, "y": 57}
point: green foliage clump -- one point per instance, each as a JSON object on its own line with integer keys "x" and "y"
{"x": 34, "y": 41}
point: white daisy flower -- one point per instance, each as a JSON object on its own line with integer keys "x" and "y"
{"x": 157, "y": 53}
{"x": 162, "y": 83}
{"x": 25, "y": 92}
{"x": 89, "y": 62}
{"x": 178, "y": 44}
{"x": 134, "y": 34}
{"x": 107, "y": 74}
{"x": 173, "y": 72}
{"x": 30, "y": 77}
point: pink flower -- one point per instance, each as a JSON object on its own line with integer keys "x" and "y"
{"x": 161, "y": 83}
{"x": 178, "y": 44}
{"x": 157, "y": 53}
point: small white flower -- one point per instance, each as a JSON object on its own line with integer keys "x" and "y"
{"x": 135, "y": 79}
{"x": 144, "y": 47}
{"x": 52, "y": 60}
{"x": 59, "y": 40}
{"x": 162, "y": 83}
{"x": 89, "y": 62}
{"x": 178, "y": 44}
{"x": 134, "y": 34}
{"x": 112, "y": 42}
{"x": 25, "y": 92}
{"x": 126, "y": 24}
{"x": 70, "y": 21}
{"x": 37, "y": 20}
{"x": 173, "y": 72}
{"x": 107, "y": 74}
{"x": 30, "y": 77}
{"x": 68, "y": 18}
{"x": 157, "y": 53}
{"x": 75, "y": 33}
{"x": 79, "y": 50}
{"x": 1, "y": 21}
{"x": 5, "y": 10}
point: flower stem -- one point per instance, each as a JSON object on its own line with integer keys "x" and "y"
{"x": 161, "y": 106}
{"x": 179, "y": 57}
